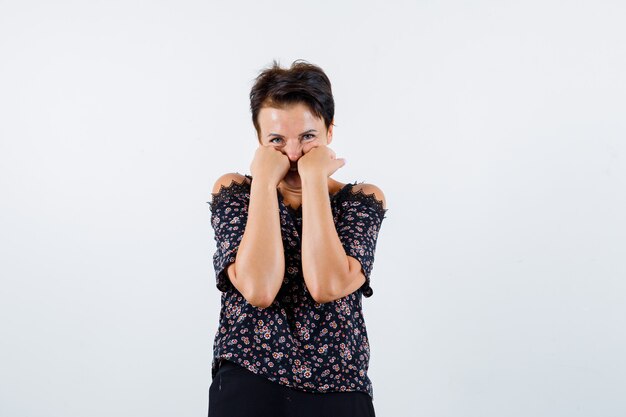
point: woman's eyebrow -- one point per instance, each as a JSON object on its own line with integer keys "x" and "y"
{"x": 303, "y": 133}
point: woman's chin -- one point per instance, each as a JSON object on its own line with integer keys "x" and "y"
{"x": 292, "y": 178}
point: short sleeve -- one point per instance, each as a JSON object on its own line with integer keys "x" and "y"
{"x": 359, "y": 222}
{"x": 229, "y": 214}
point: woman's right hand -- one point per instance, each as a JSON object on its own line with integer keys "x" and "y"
{"x": 269, "y": 164}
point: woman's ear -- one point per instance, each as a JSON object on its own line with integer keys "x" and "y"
{"x": 329, "y": 134}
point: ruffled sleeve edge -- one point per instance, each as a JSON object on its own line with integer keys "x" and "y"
{"x": 226, "y": 191}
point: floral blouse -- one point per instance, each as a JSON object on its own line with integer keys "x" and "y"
{"x": 296, "y": 341}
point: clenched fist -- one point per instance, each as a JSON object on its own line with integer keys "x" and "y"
{"x": 269, "y": 165}
{"x": 320, "y": 160}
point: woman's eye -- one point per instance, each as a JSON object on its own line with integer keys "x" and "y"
{"x": 308, "y": 134}
{"x": 272, "y": 140}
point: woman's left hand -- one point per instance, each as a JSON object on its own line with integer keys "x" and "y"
{"x": 319, "y": 159}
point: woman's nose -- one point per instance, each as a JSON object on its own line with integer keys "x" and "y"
{"x": 293, "y": 152}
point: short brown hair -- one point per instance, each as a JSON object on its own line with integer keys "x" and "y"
{"x": 302, "y": 83}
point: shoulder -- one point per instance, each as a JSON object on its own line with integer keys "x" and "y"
{"x": 371, "y": 190}
{"x": 227, "y": 180}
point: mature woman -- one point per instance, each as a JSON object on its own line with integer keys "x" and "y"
{"x": 295, "y": 249}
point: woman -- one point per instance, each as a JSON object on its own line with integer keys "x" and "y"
{"x": 295, "y": 249}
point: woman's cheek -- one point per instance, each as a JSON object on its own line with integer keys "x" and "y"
{"x": 309, "y": 147}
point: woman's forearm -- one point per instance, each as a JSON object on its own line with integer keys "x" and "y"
{"x": 325, "y": 265}
{"x": 260, "y": 261}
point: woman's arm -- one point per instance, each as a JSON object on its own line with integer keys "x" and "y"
{"x": 259, "y": 266}
{"x": 328, "y": 272}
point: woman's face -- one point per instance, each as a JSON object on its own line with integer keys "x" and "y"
{"x": 293, "y": 130}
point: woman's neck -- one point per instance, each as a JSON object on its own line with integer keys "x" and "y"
{"x": 291, "y": 185}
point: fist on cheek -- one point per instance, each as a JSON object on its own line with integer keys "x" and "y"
{"x": 319, "y": 159}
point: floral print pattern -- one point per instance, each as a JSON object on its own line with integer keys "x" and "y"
{"x": 296, "y": 341}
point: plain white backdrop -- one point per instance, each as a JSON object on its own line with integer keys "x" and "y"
{"x": 496, "y": 130}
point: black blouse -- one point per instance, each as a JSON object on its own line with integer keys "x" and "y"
{"x": 296, "y": 341}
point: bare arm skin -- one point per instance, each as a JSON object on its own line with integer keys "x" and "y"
{"x": 259, "y": 266}
{"x": 328, "y": 272}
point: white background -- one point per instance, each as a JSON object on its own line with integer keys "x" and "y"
{"x": 496, "y": 130}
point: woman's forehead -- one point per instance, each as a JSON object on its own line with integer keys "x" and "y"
{"x": 292, "y": 119}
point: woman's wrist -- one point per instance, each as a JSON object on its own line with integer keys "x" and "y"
{"x": 264, "y": 183}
